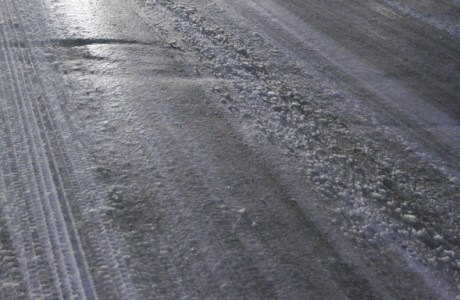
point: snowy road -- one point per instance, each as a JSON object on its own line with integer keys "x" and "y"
{"x": 167, "y": 149}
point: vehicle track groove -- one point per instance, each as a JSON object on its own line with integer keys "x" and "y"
{"x": 106, "y": 247}
{"x": 36, "y": 157}
{"x": 39, "y": 177}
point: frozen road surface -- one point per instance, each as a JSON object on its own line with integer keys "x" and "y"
{"x": 216, "y": 149}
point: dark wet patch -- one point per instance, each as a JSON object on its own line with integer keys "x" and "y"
{"x": 80, "y": 42}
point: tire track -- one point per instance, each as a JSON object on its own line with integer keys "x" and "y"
{"x": 104, "y": 247}
{"x": 40, "y": 180}
{"x": 44, "y": 211}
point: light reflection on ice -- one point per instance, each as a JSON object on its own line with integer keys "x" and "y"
{"x": 93, "y": 19}
{"x": 78, "y": 17}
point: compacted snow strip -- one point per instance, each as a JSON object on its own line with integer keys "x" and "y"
{"x": 44, "y": 218}
{"x": 41, "y": 211}
{"x": 46, "y": 185}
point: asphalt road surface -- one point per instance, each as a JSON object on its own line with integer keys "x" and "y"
{"x": 275, "y": 149}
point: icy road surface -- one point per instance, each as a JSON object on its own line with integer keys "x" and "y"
{"x": 215, "y": 149}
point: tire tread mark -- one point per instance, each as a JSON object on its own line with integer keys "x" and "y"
{"x": 64, "y": 180}
{"x": 107, "y": 243}
{"x": 17, "y": 164}
{"x": 48, "y": 210}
